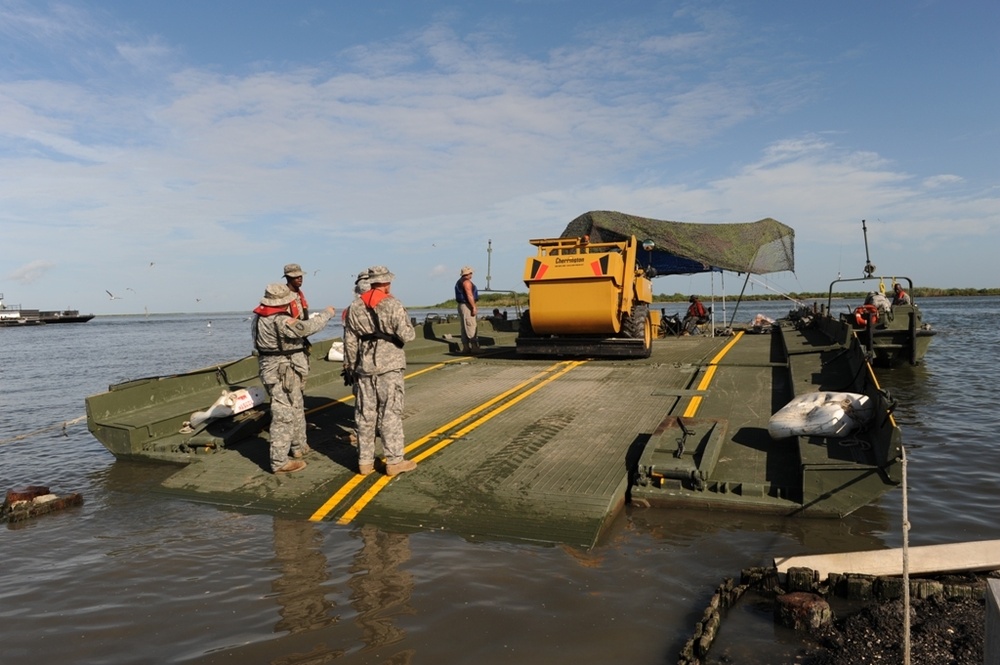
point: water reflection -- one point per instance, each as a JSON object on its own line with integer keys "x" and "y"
{"x": 300, "y": 588}
{"x": 381, "y": 588}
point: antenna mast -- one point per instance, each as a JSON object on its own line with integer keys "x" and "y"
{"x": 489, "y": 261}
{"x": 869, "y": 267}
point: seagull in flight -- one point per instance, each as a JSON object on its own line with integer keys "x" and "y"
{"x": 112, "y": 296}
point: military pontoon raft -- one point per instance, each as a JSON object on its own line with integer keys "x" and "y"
{"x": 528, "y": 448}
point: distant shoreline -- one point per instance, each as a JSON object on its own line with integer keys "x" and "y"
{"x": 509, "y": 300}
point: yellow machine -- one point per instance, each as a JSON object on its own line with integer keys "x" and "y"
{"x": 587, "y": 298}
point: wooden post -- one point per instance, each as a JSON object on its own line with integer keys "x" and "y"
{"x": 991, "y": 648}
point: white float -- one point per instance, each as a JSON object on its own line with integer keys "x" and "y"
{"x": 336, "y": 352}
{"x": 230, "y": 403}
{"x": 821, "y": 414}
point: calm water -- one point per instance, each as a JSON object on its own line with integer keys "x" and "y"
{"x": 136, "y": 577}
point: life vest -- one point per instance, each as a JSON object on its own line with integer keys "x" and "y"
{"x": 865, "y": 313}
{"x": 460, "y": 293}
{"x": 372, "y": 298}
{"x": 294, "y": 305}
{"x": 269, "y": 310}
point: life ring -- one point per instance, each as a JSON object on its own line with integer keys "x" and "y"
{"x": 865, "y": 313}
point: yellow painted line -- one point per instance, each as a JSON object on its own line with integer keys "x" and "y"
{"x": 482, "y": 407}
{"x": 692, "y": 407}
{"x": 380, "y": 484}
{"x": 349, "y": 486}
{"x": 348, "y": 398}
{"x": 336, "y": 498}
{"x": 486, "y": 417}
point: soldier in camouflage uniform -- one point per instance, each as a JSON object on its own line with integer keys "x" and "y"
{"x": 375, "y": 330}
{"x": 284, "y": 365}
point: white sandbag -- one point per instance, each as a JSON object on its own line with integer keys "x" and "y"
{"x": 336, "y": 352}
{"x": 821, "y": 414}
{"x": 230, "y": 403}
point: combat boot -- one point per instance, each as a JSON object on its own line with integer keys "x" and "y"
{"x": 291, "y": 466}
{"x": 365, "y": 469}
{"x": 400, "y": 467}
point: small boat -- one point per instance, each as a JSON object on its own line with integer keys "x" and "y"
{"x": 892, "y": 334}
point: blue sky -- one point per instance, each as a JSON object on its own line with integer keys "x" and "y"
{"x": 180, "y": 153}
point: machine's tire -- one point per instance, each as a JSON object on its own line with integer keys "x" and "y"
{"x": 638, "y": 326}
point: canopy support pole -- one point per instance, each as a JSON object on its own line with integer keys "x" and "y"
{"x": 740, "y": 299}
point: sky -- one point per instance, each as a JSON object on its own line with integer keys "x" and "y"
{"x": 179, "y": 154}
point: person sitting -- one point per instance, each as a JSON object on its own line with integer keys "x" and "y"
{"x": 879, "y": 300}
{"x": 899, "y": 296}
{"x": 696, "y": 315}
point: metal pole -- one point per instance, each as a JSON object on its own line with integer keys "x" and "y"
{"x": 489, "y": 261}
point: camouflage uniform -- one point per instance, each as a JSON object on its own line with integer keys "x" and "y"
{"x": 284, "y": 366}
{"x": 378, "y": 366}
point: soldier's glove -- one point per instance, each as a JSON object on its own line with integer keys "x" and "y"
{"x": 348, "y": 376}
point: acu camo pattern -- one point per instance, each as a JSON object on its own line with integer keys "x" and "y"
{"x": 284, "y": 378}
{"x": 378, "y": 366}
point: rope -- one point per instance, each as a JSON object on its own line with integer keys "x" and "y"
{"x": 27, "y": 435}
{"x": 906, "y": 563}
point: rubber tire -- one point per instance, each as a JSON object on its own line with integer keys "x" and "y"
{"x": 639, "y": 326}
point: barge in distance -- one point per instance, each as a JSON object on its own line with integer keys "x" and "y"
{"x": 16, "y": 315}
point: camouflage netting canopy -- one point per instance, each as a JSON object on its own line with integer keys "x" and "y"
{"x": 683, "y": 248}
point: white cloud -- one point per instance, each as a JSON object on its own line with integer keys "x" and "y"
{"x": 30, "y": 272}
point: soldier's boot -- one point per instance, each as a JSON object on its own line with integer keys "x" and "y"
{"x": 301, "y": 451}
{"x": 291, "y": 466}
{"x": 400, "y": 467}
{"x": 365, "y": 469}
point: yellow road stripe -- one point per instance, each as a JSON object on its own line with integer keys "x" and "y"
{"x": 692, "y": 407}
{"x": 348, "y": 398}
{"x": 342, "y": 493}
{"x": 489, "y": 416}
{"x": 380, "y": 484}
{"x": 482, "y": 407}
{"x": 336, "y": 498}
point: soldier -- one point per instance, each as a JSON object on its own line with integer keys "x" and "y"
{"x": 899, "y": 296}
{"x": 279, "y": 340}
{"x": 375, "y": 330}
{"x": 466, "y": 294}
{"x": 300, "y": 306}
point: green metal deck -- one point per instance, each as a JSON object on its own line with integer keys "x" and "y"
{"x": 521, "y": 448}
